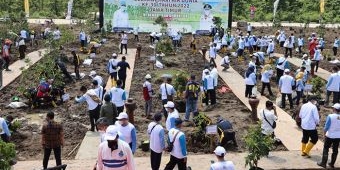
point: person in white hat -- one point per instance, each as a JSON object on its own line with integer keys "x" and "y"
{"x": 148, "y": 95}
{"x": 306, "y": 62}
{"x": 317, "y": 57}
{"x": 221, "y": 163}
{"x": 114, "y": 153}
{"x": 332, "y": 136}
{"x": 271, "y": 48}
{"x": 300, "y": 43}
{"x": 172, "y": 115}
{"x": 281, "y": 65}
{"x": 112, "y": 69}
{"x": 286, "y": 84}
{"x": 94, "y": 76}
{"x": 212, "y": 53}
{"x": 209, "y": 84}
{"x": 127, "y": 130}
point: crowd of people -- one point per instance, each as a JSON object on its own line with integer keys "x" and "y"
{"x": 118, "y": 134}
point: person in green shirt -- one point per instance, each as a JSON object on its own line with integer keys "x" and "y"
{"x": 109, "y": 110}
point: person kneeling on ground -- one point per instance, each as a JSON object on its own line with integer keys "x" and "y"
{"x": 221, "y": 163}
{"x": 225, "y": 62}
{"x": 225, "y": 132}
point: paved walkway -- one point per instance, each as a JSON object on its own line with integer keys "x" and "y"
{"x": 322, "y": 73}
{"x": 89, "y": 146}
{"x": 276, "y": 160}
{"x": 9, "y": 76}
{"x": 286, "y": 129}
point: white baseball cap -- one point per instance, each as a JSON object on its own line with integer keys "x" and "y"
{"x": 111, "y": 132}
{"x": 206, "y": 71}
{"x": 305, "y": 55}
{"x": 336, "y": 106}
{"x": 287, "y": 70}
{"x": 220, "y": 151}
{"x": 92, "y": 73}
{"x": 122, "y": 115}
{"x": 114, "y": 55}
{"x": 148, "y": 76}
{"x": 169, "y": 104}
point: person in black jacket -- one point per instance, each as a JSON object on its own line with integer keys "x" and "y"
{"x": 225, "y": 132}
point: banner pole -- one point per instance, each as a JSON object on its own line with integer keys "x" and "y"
{"x": 230, "y": 14}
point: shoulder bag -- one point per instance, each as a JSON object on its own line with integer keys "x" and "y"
{"x": 272, "y": 125}
{"x": 171, "y": 144}
{"x": 168, "y": 97}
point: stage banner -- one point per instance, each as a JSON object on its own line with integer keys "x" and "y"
{"x": 181, "y": 15}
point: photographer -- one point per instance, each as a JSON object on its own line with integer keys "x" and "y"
{"x": 268, "y": 117}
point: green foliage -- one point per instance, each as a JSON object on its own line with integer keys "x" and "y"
{"x": 180, "y": 82}
{"x": 318, "y": 85}
{"x": 217, "y": 21}
{"x": 164, "y": 46}
{"x": 15, "y": 126}
{"x": 258, "y": 145}
{"x": 7, "y": 155}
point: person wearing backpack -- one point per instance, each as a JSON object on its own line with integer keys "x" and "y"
{"x": 177, "y": 147}
{"x": 93, "y": 101}
{"x": 112, "y": 69}
{"x": 157, "y": 142}
{"x": 281, "y": 65}
{"x": 191, "y": 94}
{"x": 147, "y": 95}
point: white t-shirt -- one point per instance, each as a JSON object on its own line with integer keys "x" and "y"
{"x": 23, "y": 34}
{"x": 124, "y": 39}
{"x": 267, "y": 129}
{"x": 155, "y": 140}
{"x": 56, "y": 34}
{"x": 170, "y": 90}
{"x": 225, "y": 165}
{"x": 91, "y": 103}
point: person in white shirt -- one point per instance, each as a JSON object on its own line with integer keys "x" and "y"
{"x": 157, "y": 142}
{"x": 281, "y": 65}
{"x": 98, "y": 89}
{"x": 152, "y": 37}
{"x": 114, "y": 153}
{"x": 112, "y": 69}
{"x": 209, "y": 88}
{"x": 306, "y": 62}
{"x": 172, "y": 115}
{"x": 214, "y": 73}
{"x": 333, "y": 86}
{"x": 4, "y": 130}
{"x": 225, "y": 62}
{"x": 289, "y": 45}
{"x": 250, "y": 81}
{"x": 249, "y": 28}
{"x": 271, "y": 48}
{"x": 282, "y": 38}
{"x": 241, "y": 46}
{"x": 300, "y": 44}
{"x": 148, "y": 95}
{"x": 212, "y": 53}
{"x": 286, "y": 84}
{"x": 56, "y": 34}
{"x": 332, "y": 136}
{"x": 310, "y": 118}
{"x": 135, "y": 33}
{"x": 123, "y": 42}
{"x": 93, "y": 101}
{"x": 268, "y": 116}
{"x": 168, "y": 92}
{"x": 118, "y": 96}
{"x": 94, "y": 76}
{"x": 266, "y": 74}
{"x": 336, "y": 46}
{"x": 178, "y": 154}
{"x": 221, "y": 163}
{"x": 317, "y": 57}
{"x": 127, "y": 130}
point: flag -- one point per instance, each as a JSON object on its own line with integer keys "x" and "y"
{"x": 27, "y": 8}
{"x": 322, "y": 6}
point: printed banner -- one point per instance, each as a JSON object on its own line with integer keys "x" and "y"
{"x": 181, "y": 15}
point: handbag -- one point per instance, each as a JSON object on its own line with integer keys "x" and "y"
{"x": 274, "y": 123}
{"x": 168, "y": 97}
{"x": 171, "y": 144}
{"x": 153, "y": 128}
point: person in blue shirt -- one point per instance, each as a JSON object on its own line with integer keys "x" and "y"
{"x": 322, "y": 44}
{"x": 178, "y": 155}
{"x": 336, "y": 46}
{"x": 250, "y": 81}
{"x": 4, "y": 130}
{"x": 332, "y": 137}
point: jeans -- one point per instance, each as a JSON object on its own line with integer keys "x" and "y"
{"x": 175, "y": 161}
{"x": 148, "y": 107}
{"x": 264, "y": 85}
{"x": 329, "y": 142}
{"x": 300, "y": 49}
{"x": 298, "y": 97}
{"x": 279, "y": 74}
{"x": 335, "y": 97}
{"x": 6, "y": 64}
{"x": 121, "y": 48}
{"x": 190, "y": 106}
{"x": 4, "y": 138}
{"x": 156, "y": 159}
{"x": 248, "y": 91}
{"x": 210, "y": 94}
{"x": 283, "y": 100}
{"x": 57, "y": 155}
{"x": 316, "y": 65}
{"x": 94, "y": 116}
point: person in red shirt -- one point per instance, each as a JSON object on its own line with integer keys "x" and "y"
{"x": 311, "y": 46}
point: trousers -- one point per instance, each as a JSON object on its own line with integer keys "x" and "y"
{"x": 57, "y": 156}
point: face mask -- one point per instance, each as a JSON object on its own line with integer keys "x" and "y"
{"x": 113, "y": 144}
{"x": 207, "y": 12}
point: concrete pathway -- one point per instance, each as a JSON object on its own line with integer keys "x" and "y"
{"x": 322, "y": 73}
{"x": 89, "y": 146}
{"x": 276, "y": 160}
{"x": 16, "y": 67}
{"x": 286, "y": 129}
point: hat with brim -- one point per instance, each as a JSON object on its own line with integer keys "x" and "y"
{"x": 169, "y": 104}
{"x": 111, "y": 133}
{"x": 92, "y": 73}
{"x": 336, "y": 106}
{"x": 207, "y": 6}
{"x": 122, "y": 115}
{"x": 287, "y": 70}
{"x": 220, "y": 151}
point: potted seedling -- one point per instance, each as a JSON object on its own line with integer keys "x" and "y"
{"x": 258, "y": 146}
{"x": 317, "y": 88}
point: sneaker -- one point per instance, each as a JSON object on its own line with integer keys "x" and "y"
{"x": 331, "y": 165}
{"x": 8, "y": 70}
{"x": 321, "y": 164}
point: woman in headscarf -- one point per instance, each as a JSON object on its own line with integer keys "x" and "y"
{"x": 250, "y": 80}
{"x": 266, "y": 74}
{"x": 299, "y": 86}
